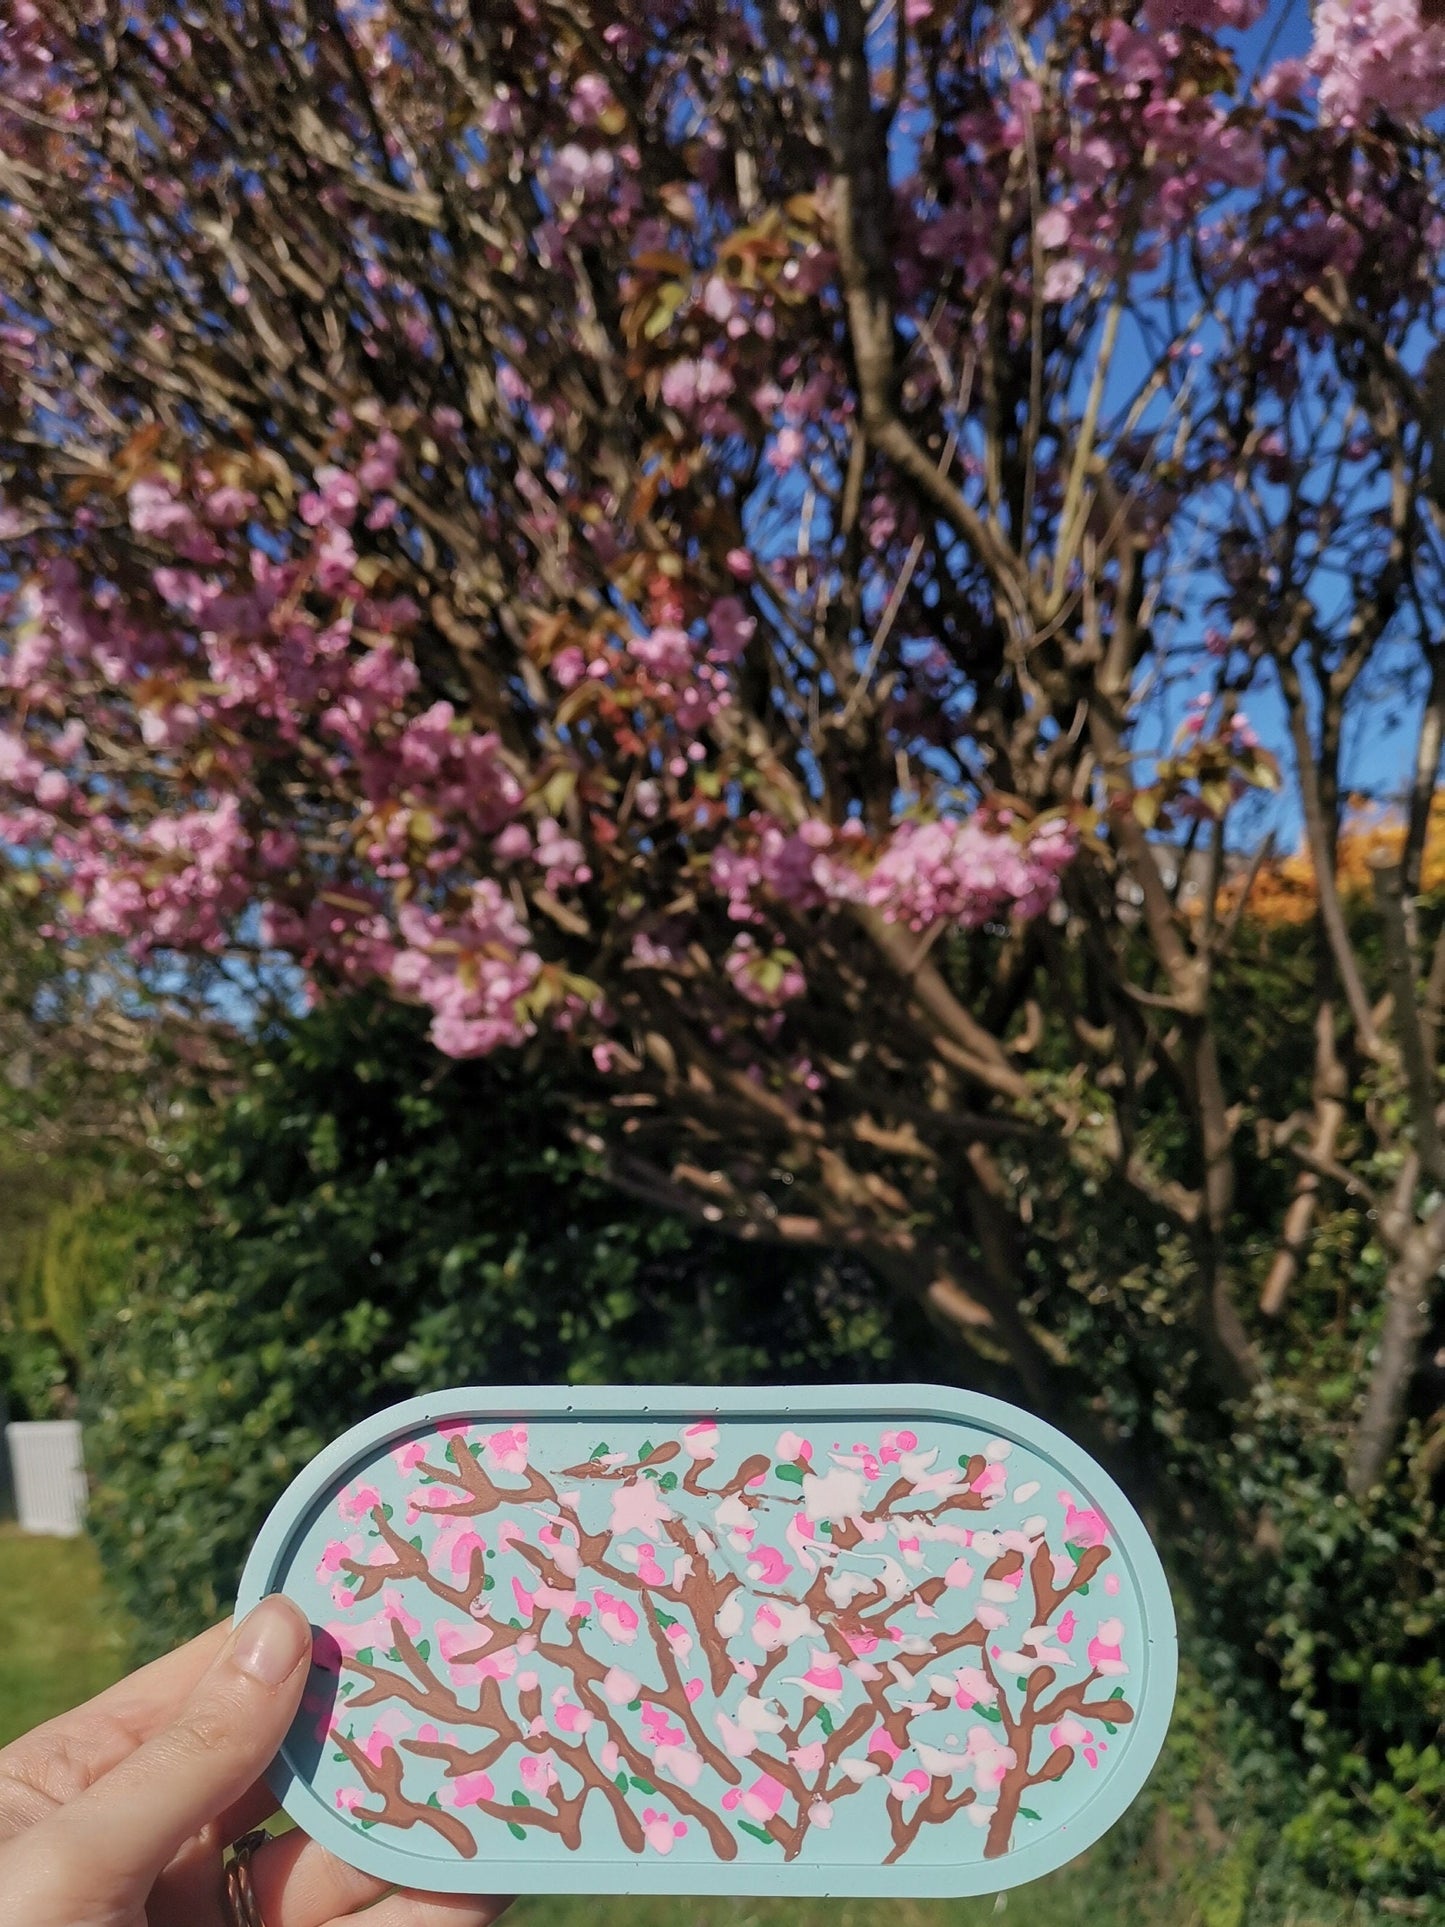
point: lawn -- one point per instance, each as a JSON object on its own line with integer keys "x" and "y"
{"x": 60, "y": 1642}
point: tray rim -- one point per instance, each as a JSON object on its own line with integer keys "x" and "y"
{"x": 576, "y": 1875}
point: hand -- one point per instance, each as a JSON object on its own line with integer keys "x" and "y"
{"x": 117, "y": 1815}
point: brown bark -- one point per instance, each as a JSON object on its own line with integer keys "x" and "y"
{"x": 1412, "y": 1279}
{"x": 1330, "y": 1088}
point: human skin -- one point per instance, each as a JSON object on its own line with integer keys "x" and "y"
{"x": 118, "y": 1814}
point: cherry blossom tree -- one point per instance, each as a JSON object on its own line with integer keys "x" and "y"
{"x": 687, "y": 532}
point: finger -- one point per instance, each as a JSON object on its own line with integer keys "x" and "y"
{"x": 299, "y": 1884}
{"x": 430, "y": 1910}
{"x": 116, "y": 1837}
{"x": 254, "y": 1808}
{"x": 52, "y": 1764}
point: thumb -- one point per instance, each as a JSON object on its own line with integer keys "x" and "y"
{"x": 115, "y": 1839}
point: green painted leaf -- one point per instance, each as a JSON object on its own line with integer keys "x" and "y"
{"x": 386, "y": 1512}
{"x": 1083, "y": 1590}
{"x": 432, "y": 1800}
{"x": 643, "y": 1786}
{"x": 622, "y": 1783}
{"x": 517, "y": 1833}
{"x": 489, "y": 1584}
{"x": 1117, "y": 1693}
{"x": 1027, "y": 1813}
{"x": 1074, "y": 1550}
{"x": 789, "y": 1474}
{"x": 1110, "y": 1729}
{"x": 367, "y": 1655}
{"x": 597, "y": 1452}
{"x": 393, "y": 1655}
{"x": 519, "y": 1799}
{"x": 825, "y": 1719}
{"x": 1022, "y": 1685}
{"x": 368, "y": 1824}
{"x": 415, "y": 1540}
{"x": 991, "y": 1713}
{"x": 823, "y": 1529}
{"x": 645, "y": 1450}
{"x": 668, "y": 1482}
{"x": 757, "y": 1833}
{"x": 665, "y": 1619}
{"x": 423, "y": 1646}
{"x": 634, "y": 1706}
{"x": 340, "y": 1758}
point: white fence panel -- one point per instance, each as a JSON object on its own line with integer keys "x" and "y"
{"x": 49, "y": 1476}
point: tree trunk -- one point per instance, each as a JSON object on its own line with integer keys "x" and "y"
{"x": 1407, "y": 1313}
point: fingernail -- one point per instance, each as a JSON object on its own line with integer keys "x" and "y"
{"x": 271, "y": 1641}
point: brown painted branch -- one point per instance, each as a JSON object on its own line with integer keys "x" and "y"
{"x": 411, "y": 1563}
{"x": 397, "y": 1808}
{"x": 1047, "y": 1596}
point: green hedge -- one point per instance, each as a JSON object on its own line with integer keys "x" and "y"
{"x": 374, "y": 1222}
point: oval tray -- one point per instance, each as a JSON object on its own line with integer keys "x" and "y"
{"x": 894, "y": 1640}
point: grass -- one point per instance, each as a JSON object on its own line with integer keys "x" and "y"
{"x": 58, "y": 1643}
{"x": 61, "y": 1642}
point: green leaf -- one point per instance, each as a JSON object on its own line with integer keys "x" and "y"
{"x": 489, "y": 1583}
{"x": 340, "y": 1758}
{"x": 643, "y": 1786}
{"x": 622, "y": 1783}
{"x": 666, "y": 302}
{"x": 634, "y": 1706}
{"x": 517, "y": 1833}
{"x": 597, "y": 1452}
{"x": 1084, "y": 1590}
{"x": 393, "y": 1655}
{"x": 1074, "y": 1550}
{"x": 668, "y": 1482}
{"x": 823, "y": 1529}
{"x": 367, "y": 1655}
{"x": 1028, "y": 1813}
{"x": 758, "y": 1833}
{"x": 991, "y": 1713}
{"x": 519, "y": 1799}
{"x": 386, "y": 1511}
{"x": 432, "y": 1800}
{"x": 665, "y": 1619}
{"x": 1117, "y": 1693}
{"x": 645, "y": 1450}
{"x": 368, "y": 1824}
{"x": 1110, "y": 1729}
{"x": 825, "y": 1719}
{"x": 423, "y": 1647}
{"x": 789, "y": 1474}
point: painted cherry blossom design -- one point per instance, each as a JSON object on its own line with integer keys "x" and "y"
{"x": 664, "y": 1640}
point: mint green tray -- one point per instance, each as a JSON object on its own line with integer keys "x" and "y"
{"x": 892, "y": 1640}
